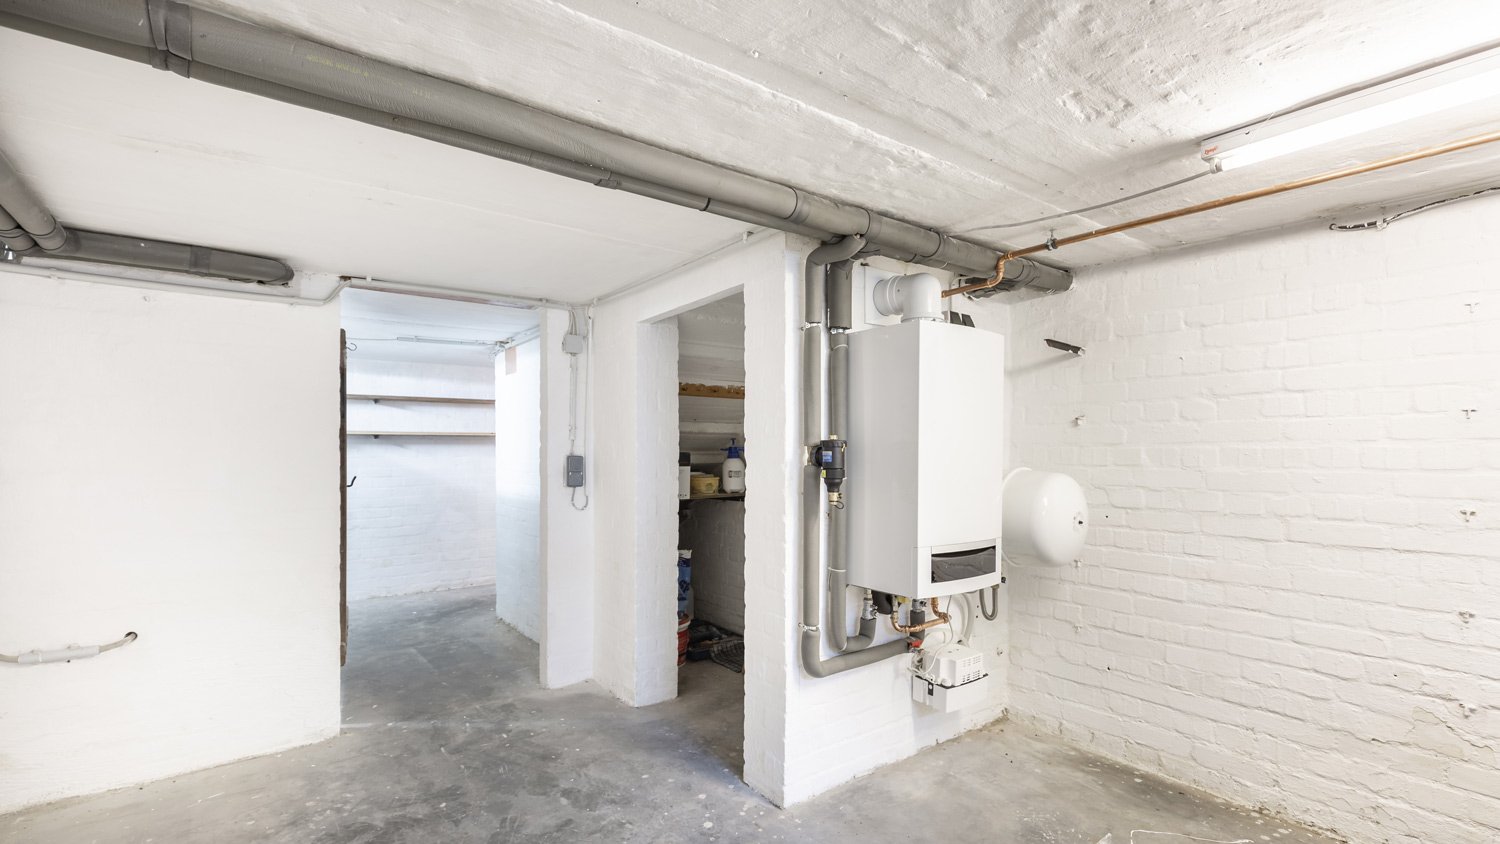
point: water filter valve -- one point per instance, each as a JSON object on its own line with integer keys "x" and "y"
{"x": 828, "y": 456}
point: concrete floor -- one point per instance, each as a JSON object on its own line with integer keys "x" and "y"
{"x": 447, "y": 737}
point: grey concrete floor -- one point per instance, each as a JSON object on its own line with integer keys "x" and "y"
{"x": 448, "y": 737}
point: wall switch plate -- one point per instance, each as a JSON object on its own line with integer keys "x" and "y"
{"x": 575, "y": 470}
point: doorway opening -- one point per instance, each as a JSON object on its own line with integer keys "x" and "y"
{"x": 712, "y": 493}
{"x": 441, "y": 450}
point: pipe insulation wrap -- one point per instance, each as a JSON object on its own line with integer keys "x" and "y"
{"x": 859, "y": 650}
{"x": 12, "y": 235}
{"x": 188, "y": 38}
{"x": 485, "y": 146}
{"x": 22, "y": 207}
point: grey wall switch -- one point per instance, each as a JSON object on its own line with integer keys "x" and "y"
{"x": 575, "y": 470}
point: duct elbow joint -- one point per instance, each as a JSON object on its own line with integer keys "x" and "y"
{"x": 912, "y": 297}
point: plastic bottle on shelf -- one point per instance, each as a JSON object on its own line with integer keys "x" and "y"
{"x": 732, "y": 473}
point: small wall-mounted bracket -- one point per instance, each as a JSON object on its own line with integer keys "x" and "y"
{"x": 1065, "y": 347}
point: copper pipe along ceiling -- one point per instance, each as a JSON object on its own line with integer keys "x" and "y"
{"x": 1222, "y": 202}
{"x": 939, "y": 618}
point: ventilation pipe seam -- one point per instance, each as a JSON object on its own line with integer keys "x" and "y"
{"x": 194, "y": 36}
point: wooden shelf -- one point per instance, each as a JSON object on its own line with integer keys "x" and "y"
{"x": 378, "y": 434}
{"x": 711, "y": 391}
{"x": 712, "y": 496}
{"x": 423, "y": 399}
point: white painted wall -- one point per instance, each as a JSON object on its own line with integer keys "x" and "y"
{"x": 422, "y": 510}
{"x": 518, "y": 502}
{"x": 170, "y": 467}
{"x": 1281, "y": 600}
{"x": 635, "y": 497}
{"x": 567, "y": 518}
{"x": 802, "y": 736}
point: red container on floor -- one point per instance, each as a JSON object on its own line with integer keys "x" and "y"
{"x": 682, "y": 638}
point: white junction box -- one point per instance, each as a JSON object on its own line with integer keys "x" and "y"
{"x": 950, "y": 679}
{"x": 925, "y": 462}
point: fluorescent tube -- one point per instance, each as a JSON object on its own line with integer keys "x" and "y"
{"x": 1436, "y": 89}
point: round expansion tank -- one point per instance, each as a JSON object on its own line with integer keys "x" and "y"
{"x": 1044, "y": 517}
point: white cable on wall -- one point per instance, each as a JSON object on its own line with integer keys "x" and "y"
{"x": 68, "y": 654}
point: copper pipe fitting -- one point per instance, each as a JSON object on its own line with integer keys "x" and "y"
{"x": 939, "y": 618}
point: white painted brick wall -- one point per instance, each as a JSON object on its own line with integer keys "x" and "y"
{"x": 715, "y": 531}
{"x": 516, "y": 479}
{"x": 635, "y": 483}
{"x": 169, "y": 466}
{"x": 1280, "y": 600}
{"x": 422, "y": 510}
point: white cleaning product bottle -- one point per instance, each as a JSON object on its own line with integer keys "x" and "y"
{"x": 732, "y": 473}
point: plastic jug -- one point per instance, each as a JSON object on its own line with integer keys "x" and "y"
{"x": 732, "y": 473}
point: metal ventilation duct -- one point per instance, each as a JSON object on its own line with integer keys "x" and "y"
{"x": 224, "y": 51}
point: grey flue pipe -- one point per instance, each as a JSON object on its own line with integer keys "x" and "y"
{"x": 177, "y": 37}
{"x": 856, "y": 651}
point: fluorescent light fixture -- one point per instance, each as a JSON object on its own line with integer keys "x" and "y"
{"x": 1436, "y": 89}
{"x": 450, "y": 342}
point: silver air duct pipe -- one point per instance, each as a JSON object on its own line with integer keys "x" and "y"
{"x": 191, "y": 41}
{"x": 857, "y": 650}
{"x": 28, "y": 228}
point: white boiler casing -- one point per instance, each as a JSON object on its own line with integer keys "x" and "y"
{"x": 925, "y": 480}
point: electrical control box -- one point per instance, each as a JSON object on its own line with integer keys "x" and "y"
{"x": 575, "y": 470}
{"x": 925, "y": 462}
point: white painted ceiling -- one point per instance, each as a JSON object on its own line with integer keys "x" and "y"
{"x": 373, "y": 321}
{"x": 951, "y": 114}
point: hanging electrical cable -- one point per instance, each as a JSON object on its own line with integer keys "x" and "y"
{"x": 1076, "y": 211}
{"x": 1410, "y": 212}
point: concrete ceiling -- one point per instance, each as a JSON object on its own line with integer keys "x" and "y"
{"x": 373, "y": 321}
{"x": 953, "y": 115}
{"x": 120, "y": 147}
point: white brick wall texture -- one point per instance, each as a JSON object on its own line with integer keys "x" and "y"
{"x": 635, "y": 477}
{"x": 422, "y": 510}
{"x": 1291, "y": 447}
{"x": 715, "y": 530}
{"x": 516, "y": 484}
{"x": 170, "y": 467}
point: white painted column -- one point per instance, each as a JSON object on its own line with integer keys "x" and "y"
{"x": 567, "y": 528}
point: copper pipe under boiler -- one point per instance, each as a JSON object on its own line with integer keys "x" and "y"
{"x": 939, "y": 618}
{"x": 1233, "y": 199}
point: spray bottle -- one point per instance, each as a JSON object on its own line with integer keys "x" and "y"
{"x": 732, "y": 473}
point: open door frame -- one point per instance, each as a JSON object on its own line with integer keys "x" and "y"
{"x": 343, "y": 498}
